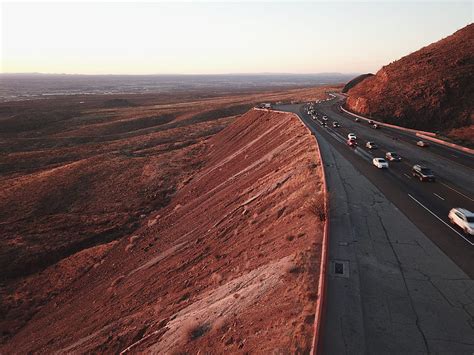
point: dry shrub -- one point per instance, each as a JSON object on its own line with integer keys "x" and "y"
{"x": 194, "y": 330}
{"x": 317, "y": 207}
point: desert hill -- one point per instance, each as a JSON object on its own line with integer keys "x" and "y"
{"x": 430, "y": 89}
{"x": 355, "y": 81}
{"x": 78, "y": 177}
{"x": 229, "y": 264}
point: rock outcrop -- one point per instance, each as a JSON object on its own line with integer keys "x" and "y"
{"x": 430, "y": 89}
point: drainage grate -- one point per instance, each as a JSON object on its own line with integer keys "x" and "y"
{"x": 339, "y": 268}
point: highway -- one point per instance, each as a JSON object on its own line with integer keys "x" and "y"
{"x": 426, "y": 204}
{"x": 399, "y": 275}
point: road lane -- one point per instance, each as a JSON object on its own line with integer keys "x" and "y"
{"x": 459, "y": 170}
{"x": 397, "y": 187}
{"x": 397, "y": 292}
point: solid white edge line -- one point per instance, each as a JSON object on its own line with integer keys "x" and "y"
{"x": 449, "y": 187}
{"x": 408, "y": 176}
{"x": 447, "y": 225}
{"x": 434, "y": 193}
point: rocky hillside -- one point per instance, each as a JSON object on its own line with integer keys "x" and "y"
{"x": 355, "y": 81}
{"x": 430, "y": 89}
{"x": 230, "y": 264}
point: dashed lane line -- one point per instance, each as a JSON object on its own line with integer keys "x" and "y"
{"x": 438, "y": 196}
{"x": 451, "y": 188}
{"x": 447, "y": 225}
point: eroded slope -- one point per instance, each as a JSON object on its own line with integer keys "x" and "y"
{"x": 229, "y": 265}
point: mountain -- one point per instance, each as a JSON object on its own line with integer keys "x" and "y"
{"x": 430, "y": 89}
{"x": 355, "y": 81}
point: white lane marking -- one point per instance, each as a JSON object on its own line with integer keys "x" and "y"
{"x": 447, "y": 225}
{"x": 408, "y": 176}
{"x": 454, "y": 156}
{"x": 438, "y": 196}
{"x": 336, "y": 136}
{"x": 449, "y": 187}
{"x": 363, "y": 153}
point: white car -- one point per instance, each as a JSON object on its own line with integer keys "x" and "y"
{"x": 380, "y": 163}
{"x": 351, "y": 136}
{"x": 371, "y": 145}
{"x": 422, "y": 144}
{"x": 463, "y": 218}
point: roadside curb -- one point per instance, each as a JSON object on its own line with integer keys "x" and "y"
{"x": 422, "y": 134}
{"x": 320, "y": 304}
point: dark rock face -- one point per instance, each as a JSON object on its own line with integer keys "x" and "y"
{"x": 431, "y": 89}
{"x": 356, "y": 81}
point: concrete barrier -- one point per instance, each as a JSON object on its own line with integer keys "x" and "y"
{"x": 422, "y": 134}
{"x": 383, "y": 124}
{"x": 447, "y": 144}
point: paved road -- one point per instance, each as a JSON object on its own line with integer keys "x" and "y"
{"x": 426, "y": 204}
{"x": 391, "y": 288}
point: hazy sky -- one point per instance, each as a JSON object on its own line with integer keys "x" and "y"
{"x": 222, "y": 37}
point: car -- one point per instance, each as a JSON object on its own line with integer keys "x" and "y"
{"x": 371, "y": 122}
{"x": 335, "y": 124}
{"x": 392, "y": 156}
{"x": 463, "y": 218}
{"x": 325, "y": 118}
{"x": 357, "y": 119}
{"x": 380, "y": 163}
{"x": 375, "y": 126}
{"x": 352, "y": 143}
{"x": 422, "y": 144}
{"x": 351, "y": 136}
{"x": 371, "y": 145}
{"x": 422, "y": 173}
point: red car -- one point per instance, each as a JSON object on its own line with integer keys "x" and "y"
{"x": 352, "y": 143}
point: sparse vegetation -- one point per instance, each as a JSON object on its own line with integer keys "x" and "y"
{"x": 317, "y": 207}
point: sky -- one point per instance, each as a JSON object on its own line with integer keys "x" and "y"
{"x": 221, "y": 37}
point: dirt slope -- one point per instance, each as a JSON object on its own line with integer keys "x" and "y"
{"x": 430, "y": 89}
{"x": 229, "y": 265}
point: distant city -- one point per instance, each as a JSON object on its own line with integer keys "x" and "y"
{"x": 16, "y": 87}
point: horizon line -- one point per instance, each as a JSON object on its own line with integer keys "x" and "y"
{"x": 181, "y": 74}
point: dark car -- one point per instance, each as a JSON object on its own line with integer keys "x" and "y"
{"x": 357, "y": 119}
{"x": 422, "y": 173}
{"x": 371, "y": 122}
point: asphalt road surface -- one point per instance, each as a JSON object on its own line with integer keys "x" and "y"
{"x": 426, "y": 204}
{"x": 400, "y": 277}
